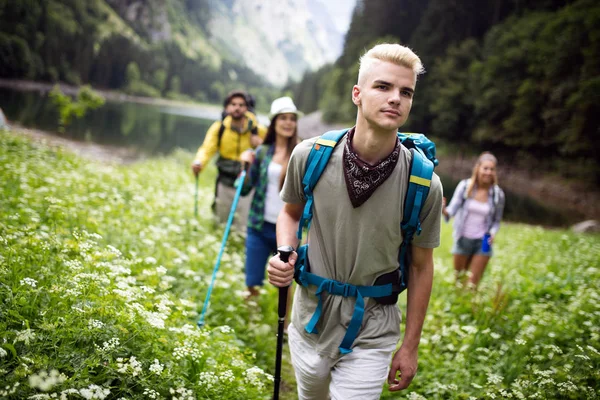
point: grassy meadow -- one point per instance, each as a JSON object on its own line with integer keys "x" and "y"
{"x": 104, "y": 269}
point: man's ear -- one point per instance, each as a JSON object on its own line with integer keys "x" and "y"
{"x": 356, "y": 95}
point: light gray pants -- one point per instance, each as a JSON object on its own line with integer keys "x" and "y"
{"x": 225, "y": 195}
{"x": 359, "y": 375}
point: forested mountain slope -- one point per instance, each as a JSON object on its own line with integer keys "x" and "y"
{"x": 174, "y": 48}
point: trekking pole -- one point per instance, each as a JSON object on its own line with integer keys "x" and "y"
{"x": 238, "y": 192}
{"x": 284, "y": 255}
{"x": 196, "y": 198}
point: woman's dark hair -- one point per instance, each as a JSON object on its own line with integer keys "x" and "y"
{"x": 292, "y": 142}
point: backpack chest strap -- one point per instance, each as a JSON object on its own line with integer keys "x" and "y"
{"x": 337, "y": 288}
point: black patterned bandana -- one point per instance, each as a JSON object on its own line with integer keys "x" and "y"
{"x": 362, "y": 179}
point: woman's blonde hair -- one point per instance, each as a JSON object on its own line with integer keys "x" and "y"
{"x": 394, "y": 53}
{"x": 485, "y": 156}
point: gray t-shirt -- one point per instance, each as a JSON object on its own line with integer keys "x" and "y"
{"x": 355, "y": 245}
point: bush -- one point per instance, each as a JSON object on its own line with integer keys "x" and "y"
{"x": 16, "y": 60}
{"x": 87, "y": 99}
{"x": 139, "y": 88}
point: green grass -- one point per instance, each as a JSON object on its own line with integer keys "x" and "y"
{"x": 104, "y": 269}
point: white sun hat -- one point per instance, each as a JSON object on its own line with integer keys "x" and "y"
{"x": 284, "y": 105}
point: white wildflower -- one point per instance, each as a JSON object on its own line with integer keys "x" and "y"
{"x": 155, "y": 319}
{"x": 94, "y": 392}
{"x": 469, "y": 329}
{"x": 29, "y": 281}
{"x": 544, "y": 374}
{"x": 189, "y": 330}
{"x": 593, "y": 350}
{"x": 254, "y": 377}
{"x": 45, "y": 381}
{"x": 227, "y": 376}
{"x": 114, "y": 250}
{"x": 566, "y": 387}
{"x": 182, "y": 394}
{"x": 187, "y": 303}
{"x": 224, "y": 329}
{"x": 187, "y": 350}
{"x": 494, "y": 379}
{"x": 583, "y": 357}
{"x": 161, "y": 270}
{"x": 151, "y": 394}
{"x": 208, "y": 379}
{"x": 108, "y": 346}
{"x": 25, "y": 336}
{"x": 132, "y": 365}
{"x": 148, "y": 242}
{"x": 156, "y": 367}
{"x": 95, "y": 324}
{"x": 150, "y": 260}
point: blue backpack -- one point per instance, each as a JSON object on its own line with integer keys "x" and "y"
{"x": 388, "y": 286}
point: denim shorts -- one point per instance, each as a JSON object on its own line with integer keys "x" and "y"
{"x": 469, "y": 247}
{"x": 260, "y": 246}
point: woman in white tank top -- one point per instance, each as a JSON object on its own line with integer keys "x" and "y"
{"x": 477, "y": 205}
{"x": 267, "y": 172}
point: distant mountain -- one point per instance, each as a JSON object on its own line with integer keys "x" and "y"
{"x": 276, "y": 39}
{"x": 184, "y": 49}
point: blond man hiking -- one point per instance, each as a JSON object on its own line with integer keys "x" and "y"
{"x": 354, "y": 239}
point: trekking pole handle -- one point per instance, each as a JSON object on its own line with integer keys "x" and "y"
{"x": 285, "y": 252}
{"x": 284, "y": 255}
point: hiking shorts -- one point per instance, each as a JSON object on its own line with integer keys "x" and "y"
{"x": 260, "y": 246}
{"x": 359, "y": 375}
{"x": 223, "y": 202}
{"x": 469, "y": 247}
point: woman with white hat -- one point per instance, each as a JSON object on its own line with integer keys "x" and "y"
{"x": 267, "y": 173}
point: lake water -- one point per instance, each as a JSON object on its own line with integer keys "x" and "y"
{"x": 150, "y": 129}
{"x": 155, "y": 130}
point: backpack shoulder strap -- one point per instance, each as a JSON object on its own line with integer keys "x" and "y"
{"x": 467, "y": 183}
{"x": 464, "y": 193}
{"x": 252, "y": 128}
{"x": 419, "y": 182}
{"x": 496, "y": 195}
{"x": 315, "y": 165}
{"x": 221, "y": 130}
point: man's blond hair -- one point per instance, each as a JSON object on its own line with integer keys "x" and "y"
{"x": 394, "y": 53}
